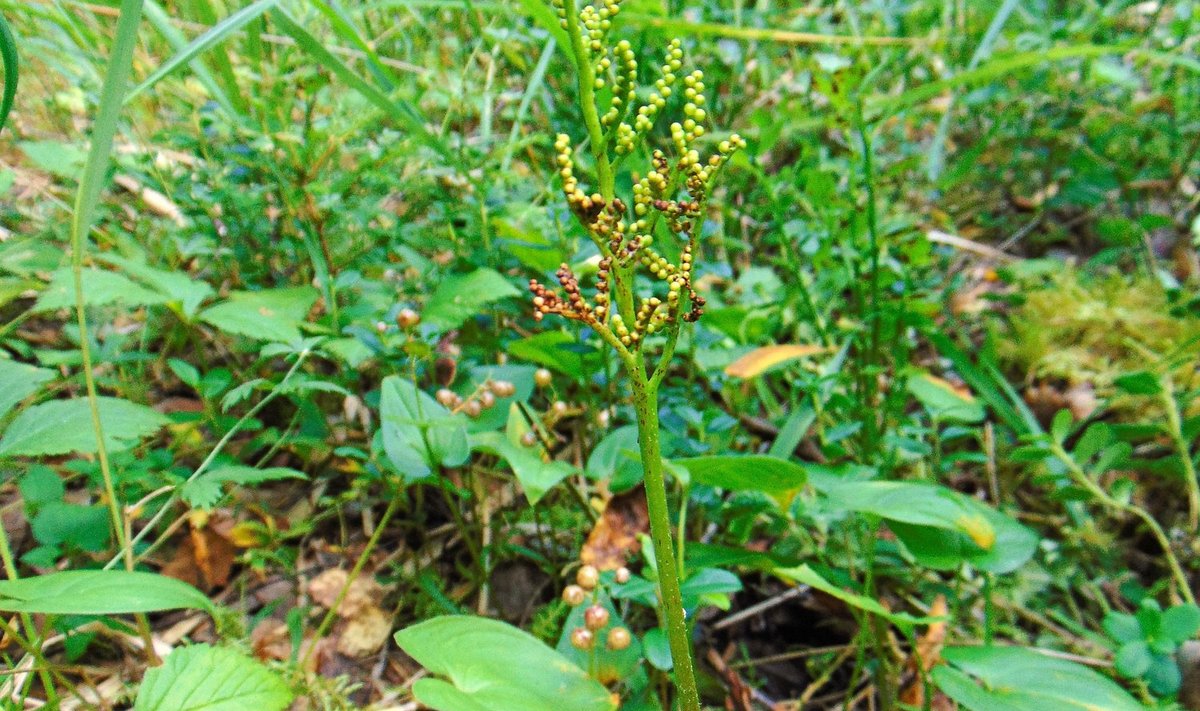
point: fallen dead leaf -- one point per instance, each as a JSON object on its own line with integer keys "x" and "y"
{"x": 205, "y": 557}
{"x": 365, "y": 633}
{"x": 364, "y": 592}
{"x": 614, "y": 538}
{"x": 928, "y": 654}
{"x": 759, "y": 360}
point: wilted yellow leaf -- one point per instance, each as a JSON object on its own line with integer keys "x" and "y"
{"x": 759, "y": 360}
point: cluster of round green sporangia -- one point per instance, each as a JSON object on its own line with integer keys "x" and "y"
{"x": 628, "y": 136}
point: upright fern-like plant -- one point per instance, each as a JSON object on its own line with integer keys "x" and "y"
{"x": 668, "y": 202}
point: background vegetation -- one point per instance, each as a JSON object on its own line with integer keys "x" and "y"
{"x": 942, "y": 409}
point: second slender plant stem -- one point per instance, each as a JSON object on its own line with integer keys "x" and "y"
{"x": 645, "y": 401}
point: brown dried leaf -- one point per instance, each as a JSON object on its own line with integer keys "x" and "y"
{"x": 614, "y": 538}
{"x": 271, "y": 640}
{"x": 365, "y": 633}
{"x": 205, "y": 558}
{"x": 928, "y": 654}
{"x": 364, "y": 592}
{"x": 759, "y": 360}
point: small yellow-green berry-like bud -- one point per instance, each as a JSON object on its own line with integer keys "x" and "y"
{"x": 587, "y": 577}
{"x": 542, "y": 378}
{"x": 619, "y": 638}
{"x": 582, "y": 638}
{"x": 573, "y": 594}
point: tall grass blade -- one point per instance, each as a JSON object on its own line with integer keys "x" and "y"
{"x": 214, "y": 36}
{"x": 343, "y": 26}
{"x": 401, "y": 111}
{"x": 162, "y": 22}
{"x": 90, "y": 186}
{"x": 8, "y": 53}
{"x": 937, "y": 152}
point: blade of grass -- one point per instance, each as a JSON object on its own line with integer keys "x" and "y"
{"x": 204, "y": 42}
{"x": 8, "y": 52}
{"x": 91, "y": 183}
{"x": 162, "y": 23}
{"x": 535, "y": 85}
{"x": 715, "y": 29}
{"x": 937, "y": 152}
{"x": 343, "y": 26}
{"x": 403, "y": 112}
{"x": 208, "y": 15}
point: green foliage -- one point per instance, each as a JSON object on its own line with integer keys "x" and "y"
{"x": 1012, "y": 678}
{"x": 99, "y": 592}
{"x": 1147, "y": 642}
{"x": 205, "y": 491}
{"x": 418, "y": 434}
{"x": 200, "y": 677}
{"x": 269, "y": 314}
{"x": 488, "y": 664}
{"x": 65, "y": 426}
{"x": 18, "y": 381}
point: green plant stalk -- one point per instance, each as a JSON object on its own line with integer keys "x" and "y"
{"x": 1081, "y": 478}
{"x": 1175, "y": 429}
{"x": 327, "y": 621}
{"x": 10, "y": 570}
{"x": 645, "y": 403}
{"x": 90, "y": 185}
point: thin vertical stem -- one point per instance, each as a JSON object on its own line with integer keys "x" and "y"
{"x": 645, "y": 402}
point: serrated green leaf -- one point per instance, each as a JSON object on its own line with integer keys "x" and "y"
{"x": 492, "y": 665}
{"x": 99, "y": 592}
{"x": 100, "y": 288}
{"x": 176, "y": 286}
{"x": 267, "y": 315}
{"x": 18, "y": 381}
{"x": 204, "y": 678}
{"x": 461, "y": 296}
{"x": 205, "y": 490}
{"x": 64, "y": 426}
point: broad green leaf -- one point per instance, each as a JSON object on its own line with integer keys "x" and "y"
{"x": 99, "y": 592}
{"x": 205, "y": 490}
{"x": 557, "y": 350}
{"x": 267, "y": 315}
{"x": 59, "y": 523}
{"x": 14, "y": 287}
{"x": 490, "y": 665}
{"x": 760, "y": 360}
{"x": 178, "y": 287}
{"x": 1020, "y": 679}
{"x": 1180, "y": 622}
{"x": 942, "y": 400}
{"x": 61, "y": 159}
{"x": 63, "y": 426}
{"x": 751, "y": 472}
{"x": 982, "y": 536}
{"x": 461, "y": 296}
{"x": 419, "y": 434}
{"x": 204, "y": 678}
{"x": 100, "y": 288}
{"x": 536, "y": 476}
{"x": 807, "y": 576}
{"x": 18, "y": 381}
